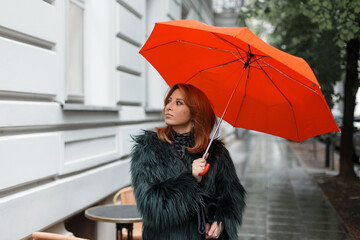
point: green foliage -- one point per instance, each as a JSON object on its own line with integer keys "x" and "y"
{"x": 340, "y": 15}
{"x": 306, "y": 28}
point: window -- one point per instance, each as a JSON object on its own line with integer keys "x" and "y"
{"x": 75, "y": 63}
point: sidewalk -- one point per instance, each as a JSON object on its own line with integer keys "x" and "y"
{"x": 282, "y": 202}
{"x": 344, "y": 195}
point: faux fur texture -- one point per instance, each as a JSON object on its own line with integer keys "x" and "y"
{"x": 167, "y": 194}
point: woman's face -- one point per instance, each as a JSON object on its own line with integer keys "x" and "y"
{"x": 177, "y": 114}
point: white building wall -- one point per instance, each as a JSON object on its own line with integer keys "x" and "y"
{"x": 58, "y": 157}
{"x": 31, "y": 48}
{"x": 99, "y": 54}
{"x": 158, "y": 11}
{"x": 130, "y": 75}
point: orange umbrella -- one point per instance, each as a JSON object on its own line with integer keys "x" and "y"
{"x": 250, "y": 84}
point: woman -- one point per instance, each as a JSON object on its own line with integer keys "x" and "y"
{"x": 174, "y": 200}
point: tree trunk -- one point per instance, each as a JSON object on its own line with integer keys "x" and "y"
{"x": 350, "y": 89}
{"x": 327, "y": 150}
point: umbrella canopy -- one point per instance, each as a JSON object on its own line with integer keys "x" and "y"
{"x": 271, "y": 91}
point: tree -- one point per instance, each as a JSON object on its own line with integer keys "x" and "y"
{"x": 326, "y": 34}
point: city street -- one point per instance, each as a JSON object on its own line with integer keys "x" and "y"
{"x": 282, "y": 200}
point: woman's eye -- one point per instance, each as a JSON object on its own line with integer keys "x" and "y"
{"x": 178, "y": 103}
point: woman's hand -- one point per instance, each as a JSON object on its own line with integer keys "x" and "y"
{"x": 198, "y": 166}
{"x": 213, "y": 231}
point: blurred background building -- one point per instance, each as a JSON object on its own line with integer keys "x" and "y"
{"x": 226, "y": 12}
{"x": 73, "y": 89}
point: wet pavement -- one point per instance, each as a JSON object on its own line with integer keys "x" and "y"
{"x": 282, "y": 201}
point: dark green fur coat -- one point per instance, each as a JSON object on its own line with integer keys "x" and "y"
{"x": 168, "y": 196}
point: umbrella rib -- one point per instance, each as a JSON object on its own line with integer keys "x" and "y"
{"x": 190, "y": 43}
{"x": 255, "y": 60}
{"x": 242, "y": 101}
{"x": 256, "y": 65}
{"x": 211, "y": 48}
{"x": 236, "y": 46}
{"x": 268, "y": 65}
{"x": 291, "y": 106}
{"x": 223, "y": 39}
{"x": 242, "y": 58}
{"x": 203, "y": 70}
{"x": 160, "y": 45}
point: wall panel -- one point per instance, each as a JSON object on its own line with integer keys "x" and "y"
{"x": 129, "y": 57}
{"x": 30, "y": 17}
{"x": 26, "y": 68}
{"x": 138, "y": 5}
{"x": 89, "y": 147}
{"x": 42, "y": 115}
{"x": 40, "y": 207}
{"x": 23, "y": 158}
{"x": 129, "y": 25}
{"x": 174, "y": 9}
{"x": 130, "y": 88}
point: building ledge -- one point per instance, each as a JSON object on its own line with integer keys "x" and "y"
{"x": 81, "y": 107}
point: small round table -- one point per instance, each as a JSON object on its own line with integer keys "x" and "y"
{"x": 123, "y": 215}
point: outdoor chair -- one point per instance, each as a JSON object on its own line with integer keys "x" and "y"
{"x": 53, "y": 236}
{"x": 127, "y": 197}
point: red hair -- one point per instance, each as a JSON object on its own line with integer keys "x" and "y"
{"x": 202, "y": 115}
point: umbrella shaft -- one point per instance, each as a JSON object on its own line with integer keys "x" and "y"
{"x": 213, "y": 136}
{"x": 221, "y": 119}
